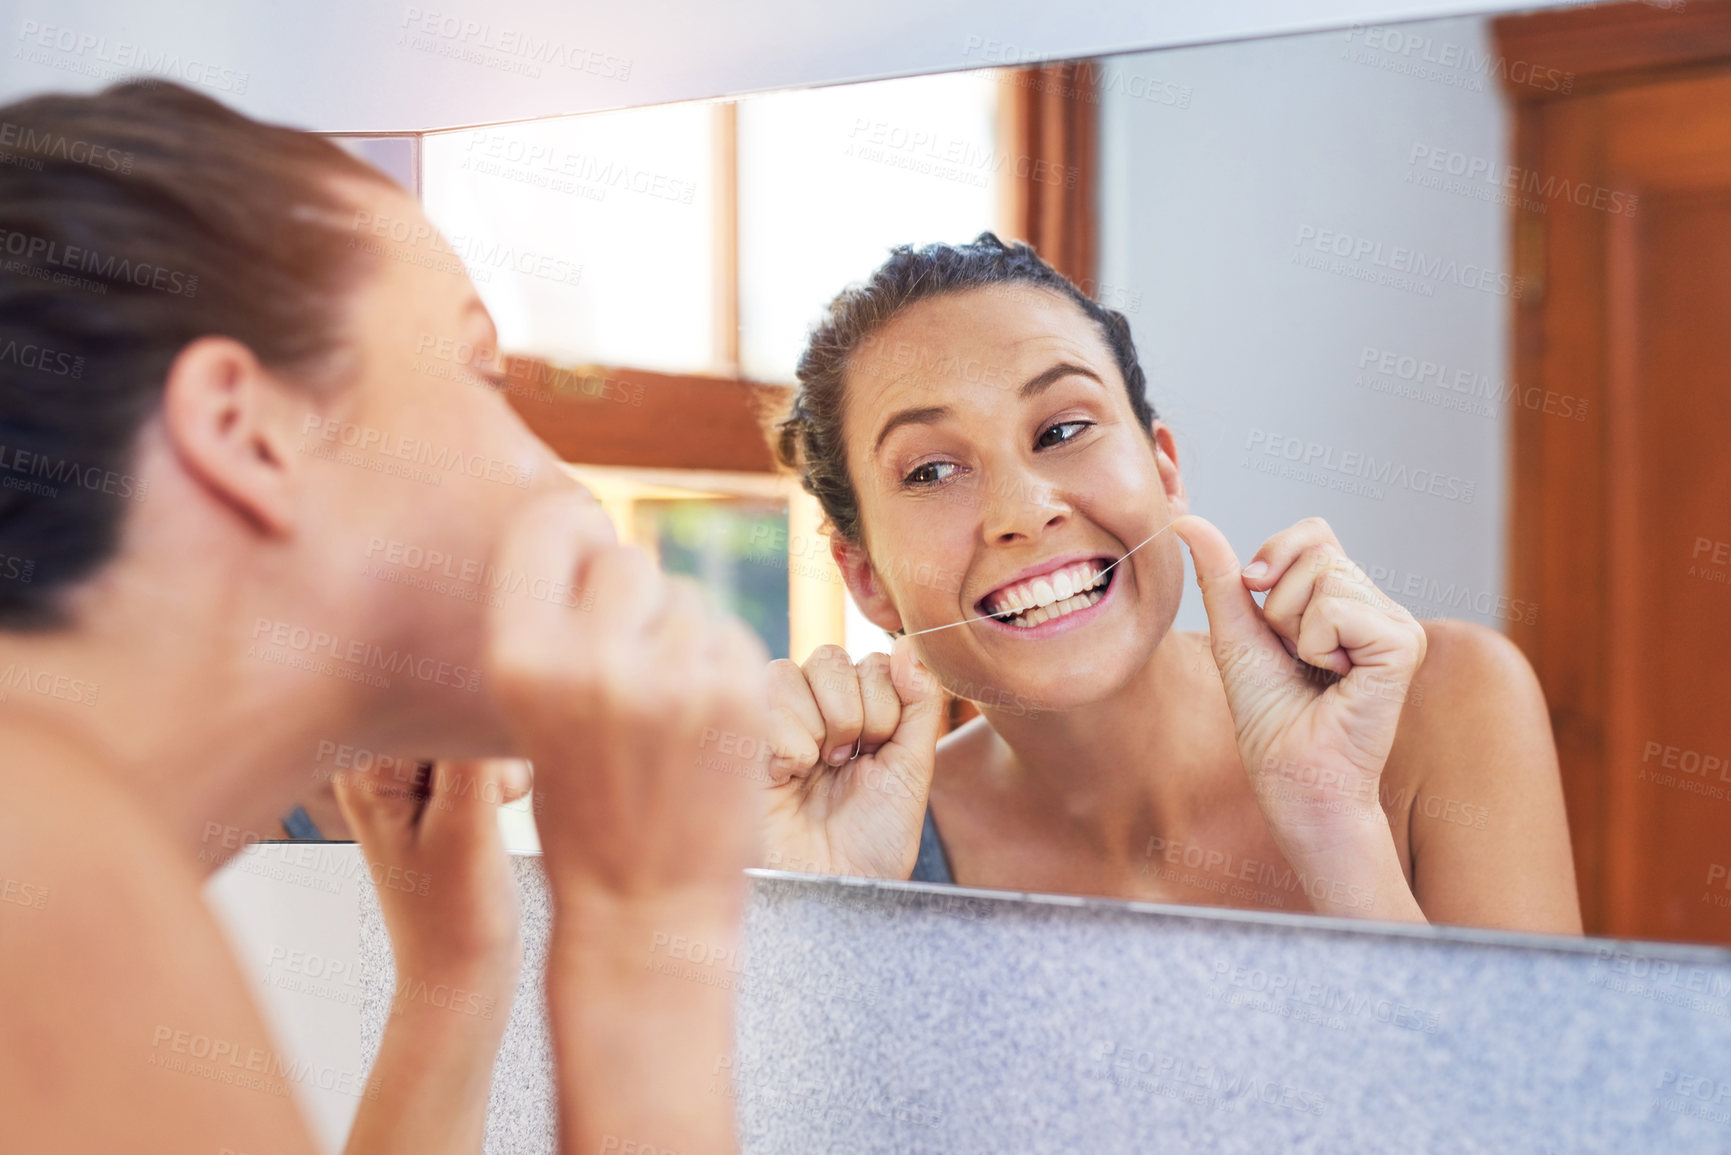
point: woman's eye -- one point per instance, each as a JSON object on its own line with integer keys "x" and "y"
{"x": 930, "y": 473}
{"x": 1047, "y": 440}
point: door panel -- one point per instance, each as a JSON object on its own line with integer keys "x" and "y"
{"x": 1621, "y": 523}
{"x": 1670, "y": 472}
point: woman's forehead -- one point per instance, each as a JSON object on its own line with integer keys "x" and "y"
{"x": 997, "y": 335}
{"x": 1017, "y": 310}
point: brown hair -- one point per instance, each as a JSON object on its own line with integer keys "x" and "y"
{"x": 808, "y": 440}
{"x": 131, "y": 223}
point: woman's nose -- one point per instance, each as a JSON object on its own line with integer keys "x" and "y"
{"x": 1019, "y": 505}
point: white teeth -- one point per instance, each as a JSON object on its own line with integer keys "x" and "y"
{"x": 1069, "y": 605}
{"x": 1048, "y": 589}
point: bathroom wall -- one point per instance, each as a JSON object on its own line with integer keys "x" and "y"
{"x": 1302, "y": 383}
{"x": 292, "y": 914}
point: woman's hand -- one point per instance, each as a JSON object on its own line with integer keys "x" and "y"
{"x": 1315, "y": 679}
{"x": 438, "y": 862}
{"x": 828, "y": 811}
{"x": 444, "y": 883}
{"x": 631, "y": 708}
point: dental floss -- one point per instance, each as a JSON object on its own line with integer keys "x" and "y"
{"x": 988, "y": 617}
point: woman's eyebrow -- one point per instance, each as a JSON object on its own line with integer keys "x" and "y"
{"x": 1045, "y": 380}
{"x": 926, "y": 415}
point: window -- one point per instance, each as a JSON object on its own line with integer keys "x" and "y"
{"x": 735, "y": 534}
{"x": 830, "y": 180}
{"x": 570, "y": 226}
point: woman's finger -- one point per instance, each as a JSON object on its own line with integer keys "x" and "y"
{"x": 1277, "y": 554}
{"x": 516, "y": 779}
{"x": 795, "y": 724}
{"x": 913, "y": 749}
{"x": 1388, "y": 640}
{"x": 835, "y": 684}
{"x": 466, "y": 796}
{"x": 681, "y": 645}
{"x": 380, "y": 806}
{"x": 1298, "y": 585}
{"x": 547, "y": 549}
{"x": 629, "y": 589}
{"x": 1317, "y": 640}
{"x": 883, "y": 706}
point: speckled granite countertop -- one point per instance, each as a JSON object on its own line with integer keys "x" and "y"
{"x": 899, "y": 1018}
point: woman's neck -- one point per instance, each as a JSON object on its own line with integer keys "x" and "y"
{"x": 1140, "y": 763}
{"x": 169, "y": 708}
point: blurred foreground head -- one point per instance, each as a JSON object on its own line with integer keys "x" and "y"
{"x": 229, "y": 402}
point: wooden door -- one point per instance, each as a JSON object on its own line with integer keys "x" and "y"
{"x": 1620, "y": 512}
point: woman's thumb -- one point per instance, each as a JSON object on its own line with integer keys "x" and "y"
{"x": 922, "y": 698}
{"x": 1234, "y": 619}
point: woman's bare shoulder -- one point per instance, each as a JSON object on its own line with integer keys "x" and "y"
{"x": 57, "y": 807}
{"x": 1473, "y": 688}
{"x": 965, "y": 751}
{"x": 1469, "y": 671}
{"x": 115, "y": 968}
{"x": 969, "y": 740}
{"x": 1454, "y": 644}
{"x": 1475, "y": 767}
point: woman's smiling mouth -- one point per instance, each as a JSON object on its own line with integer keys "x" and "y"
{"x": 1032, "y": 602}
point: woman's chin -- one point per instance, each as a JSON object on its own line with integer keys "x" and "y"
{"x": 1068, "y": 663}
{"x": 1027, "y": 690}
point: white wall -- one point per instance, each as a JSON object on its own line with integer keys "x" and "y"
{"x": 292, "y": 914}
{"x": 362, "y": 65}
{"x": 1203, "y": 208}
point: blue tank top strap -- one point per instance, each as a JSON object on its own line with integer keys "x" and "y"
{"x": 300, "y": 825}
{"x": 932, "y": 865}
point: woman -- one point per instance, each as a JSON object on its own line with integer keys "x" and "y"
{"x": 209, "y": 392}
{"x": 967, "y": 412}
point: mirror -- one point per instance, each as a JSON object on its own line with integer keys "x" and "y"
{"x": 1371, "y": 277}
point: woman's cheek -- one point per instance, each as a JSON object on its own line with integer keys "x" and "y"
{"x": 927, "y": 559}
{"x": 1122, "y": 480}
{"x": 932, "y": 587}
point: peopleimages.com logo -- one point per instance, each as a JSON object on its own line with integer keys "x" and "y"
{"x": 385, "y": 445}
{"x": 89, "y": 54}
{"x": 1399, "y": 266}
{"x": 1356, "y": 471}
{"x": 110, "y": 268}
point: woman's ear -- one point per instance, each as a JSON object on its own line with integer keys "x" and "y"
{"x": 862, "y": 582}
{"x": 226, "y": 421}
{"x": 1166, "y": 461}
